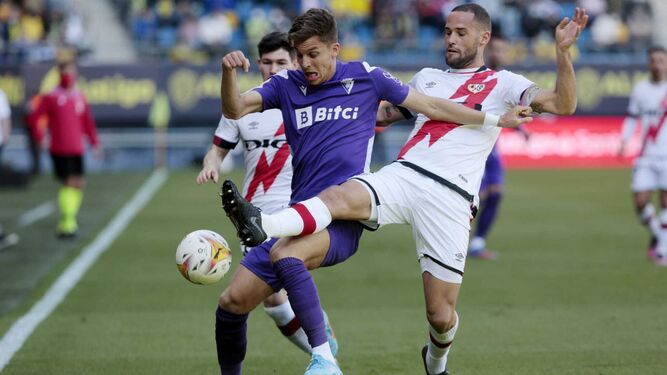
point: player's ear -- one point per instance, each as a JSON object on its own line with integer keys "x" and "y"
{"x": 335, "y": 49}
{"x": 485, "y": 37}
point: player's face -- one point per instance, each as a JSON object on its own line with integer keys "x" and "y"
{"x": 317, "y": 59}
{"x": 464, "y": 41}
{"x": 272, "y": 62}
{"x": 657, "y": 64}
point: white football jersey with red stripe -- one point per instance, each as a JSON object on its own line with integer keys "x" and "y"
{"x": 648, "y": 103}
{"x": 267, "y": 157}
{"x": 457, "y": 152}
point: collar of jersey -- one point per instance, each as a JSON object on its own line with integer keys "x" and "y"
{"x": 467, "y": 71}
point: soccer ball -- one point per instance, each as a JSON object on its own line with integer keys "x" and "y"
{"x": 203, "y": 257}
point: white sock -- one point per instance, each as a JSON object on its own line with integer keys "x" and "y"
{"x": 662, "y": 237}
{"x": 325, "y": 351}
{"x": 477, "y": 244}
{"x": 648, "y": 218}
{"x": 309, "y": 216}
{"x": 438, "y": 348}
{"x": 284, "y": 318}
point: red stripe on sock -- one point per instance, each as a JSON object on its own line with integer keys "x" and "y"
{"x": 439, "y": 344}
{"x": 309, "y": 224}
{"x": 290, "y": 328}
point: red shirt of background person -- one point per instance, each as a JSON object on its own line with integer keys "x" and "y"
{"x": 69, "y": 117}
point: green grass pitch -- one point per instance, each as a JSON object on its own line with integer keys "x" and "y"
{"x": 572, "y": 292}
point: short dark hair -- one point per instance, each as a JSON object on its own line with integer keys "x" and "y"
{"x": 654, "y": 49}
{"x": 480, "y": 14}
{"x": 273, "y": 42}
{"x": 315, "y": 22}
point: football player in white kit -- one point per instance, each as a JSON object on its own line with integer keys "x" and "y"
{"x": 648, "y": 106}
{"x": 268, "y": 170}
{"x": 433, "y": 183}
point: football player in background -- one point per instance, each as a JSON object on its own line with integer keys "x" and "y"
{"x": 438, "y": 172}
{"x": 329, "y": 108}
{"x": 493, "y": 180}
{"x": 69, "y": 121}
{"x": 648, "y": 105}
{"x": 268, "y": 170}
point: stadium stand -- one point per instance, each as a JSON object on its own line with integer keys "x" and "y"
{"x": 388, "y": 32}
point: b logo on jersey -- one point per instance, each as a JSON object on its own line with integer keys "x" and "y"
{"x": 476, "y": 87}
{"x": 304, "y": 116}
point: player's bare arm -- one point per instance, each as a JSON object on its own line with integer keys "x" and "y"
{"x": 211, "y": 164}
{"x": 234, "y": 104}
{"x": 445, "y": 110}
{"x": 563, "y": 99}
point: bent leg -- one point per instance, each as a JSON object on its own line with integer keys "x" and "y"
{"x": 349, "y": 201}
{"x": 278, "y": 308}
{"x": 292, "y": 257}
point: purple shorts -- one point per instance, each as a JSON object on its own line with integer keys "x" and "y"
{"x": 494, "y": 172}
{"x": 344, "y": 239}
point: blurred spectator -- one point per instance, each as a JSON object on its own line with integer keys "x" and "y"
{"x": 32, "y": 30}
{"x": 384, "y": 29}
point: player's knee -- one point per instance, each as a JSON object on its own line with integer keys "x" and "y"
{"x": 442, "y": 318}
{"x": 275, "y": 299}
{"x": 234, "y": 302}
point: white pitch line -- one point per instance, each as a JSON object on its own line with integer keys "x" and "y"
{"x": 22, "y": 329}
{"x": 38, "y": 213}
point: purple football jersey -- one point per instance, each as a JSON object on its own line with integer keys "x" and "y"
{"x": 330, "y": 127}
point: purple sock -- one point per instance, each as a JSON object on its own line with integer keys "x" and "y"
{"x": 231, "y": 341}
{"x": 487, "y": 214}
{"x": 302, "y": 294}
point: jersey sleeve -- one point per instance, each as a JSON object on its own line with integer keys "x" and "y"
{"x": 270, "y": 91}
{"x": 520, "y": 90}
{"x": 226, "y": 134}
{"x": 388, "y": 87}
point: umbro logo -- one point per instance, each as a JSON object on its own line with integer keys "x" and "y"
{"x": 253, "y": 125}
{"x": 459, "y": 257}
{"x": 347, "y": 83}
{"x": 303, "y": 90}
{"x": 430, "y": 85}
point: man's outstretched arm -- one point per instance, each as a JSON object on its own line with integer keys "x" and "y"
{"x": 563, "y": 99}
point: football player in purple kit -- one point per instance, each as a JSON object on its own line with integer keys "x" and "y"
{"x": 329, "y": 109}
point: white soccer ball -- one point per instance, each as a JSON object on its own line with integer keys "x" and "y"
{"x": 203, "y": 257}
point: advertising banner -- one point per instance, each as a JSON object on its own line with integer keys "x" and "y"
{"x": 123, "y": 95}
{"x": 568, "y": 142}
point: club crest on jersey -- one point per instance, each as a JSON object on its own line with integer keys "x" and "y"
{"x": 304, "y": 116}
{"x": 303, "y": 90}
{"x": 347, "y": 84}
{"x": 476, "y": 87}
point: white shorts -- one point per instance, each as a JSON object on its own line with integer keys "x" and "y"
{"x": 649, "y": 174}
{"x": 440, "y": 217}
